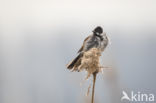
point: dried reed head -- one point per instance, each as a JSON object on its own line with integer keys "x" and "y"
{"x": 91, "y": 61}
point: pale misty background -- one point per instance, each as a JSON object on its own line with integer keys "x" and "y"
{"x": 39, "y": 37}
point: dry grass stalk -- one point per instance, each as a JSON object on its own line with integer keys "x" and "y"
{"x": 93, "y": 88}
{"x": 91, "y": 63}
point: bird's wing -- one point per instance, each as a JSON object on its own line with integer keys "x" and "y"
{"x": 82, "y": 47}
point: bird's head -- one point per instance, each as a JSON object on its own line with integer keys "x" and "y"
{"x": 98, "y": 31}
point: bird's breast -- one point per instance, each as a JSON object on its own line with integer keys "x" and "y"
{"x": 103, "y": 44}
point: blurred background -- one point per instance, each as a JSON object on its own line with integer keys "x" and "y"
{"x": 39, "y": 37}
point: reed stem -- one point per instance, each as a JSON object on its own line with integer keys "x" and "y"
{"x": 93, "y": 88}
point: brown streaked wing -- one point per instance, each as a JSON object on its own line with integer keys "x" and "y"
{"x": 83, "y": 44}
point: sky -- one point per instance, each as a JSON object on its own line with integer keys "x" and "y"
{"x": 39, "y": 37}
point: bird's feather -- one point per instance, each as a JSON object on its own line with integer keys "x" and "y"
{"x": 82, "y": 47}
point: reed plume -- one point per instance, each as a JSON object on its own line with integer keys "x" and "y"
{"x": 90, "y": 62}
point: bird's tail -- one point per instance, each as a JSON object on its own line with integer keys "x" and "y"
{"x": 72, "y": 64}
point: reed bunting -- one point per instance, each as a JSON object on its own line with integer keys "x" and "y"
{"x": 97, "y": 39}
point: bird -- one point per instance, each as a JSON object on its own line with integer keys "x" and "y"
{"x": 97, "y": 39}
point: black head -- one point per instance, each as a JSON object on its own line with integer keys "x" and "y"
{"x": 98, "y": 30}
